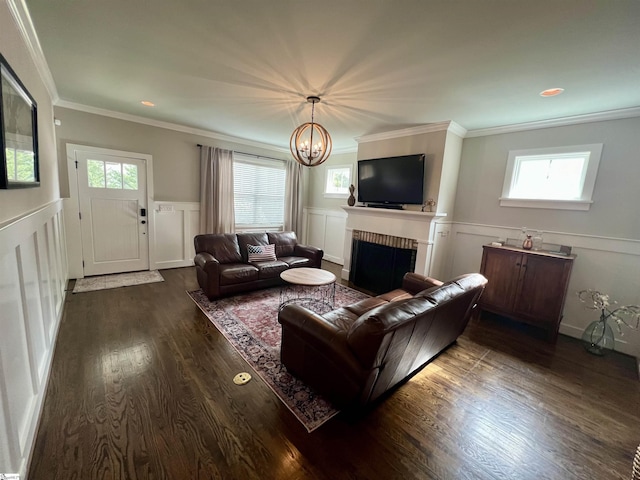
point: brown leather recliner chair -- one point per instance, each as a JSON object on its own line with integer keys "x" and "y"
{"x": 223, "y": 267}
{"x": 355, "y": 354}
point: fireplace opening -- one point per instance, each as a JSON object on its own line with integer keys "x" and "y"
{"x": 379, "y": 268}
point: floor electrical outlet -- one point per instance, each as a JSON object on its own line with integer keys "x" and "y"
{"x": 242, "y": 378}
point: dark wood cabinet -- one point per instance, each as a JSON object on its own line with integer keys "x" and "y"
{"x": 527, "y": 286}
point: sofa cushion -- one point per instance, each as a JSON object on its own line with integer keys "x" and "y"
{"x": 395, "y": 295}
{"x": 232, "y": 273}
{"x": 296, "y": 261}
{"x": 363, "y": 306}
{"x": 442, "y": 294}
{"x": 414, "y": 282}
{"x": 261, "y": 253}
{"x": 285, "y": 242}
{"x": 341, "y": 319}
{"x": 270, "y": 269}
{"x": 245, "y": 239}
{"x": 224, "y": 247}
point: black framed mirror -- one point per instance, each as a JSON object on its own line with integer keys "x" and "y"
{"x": 18, "y": 132}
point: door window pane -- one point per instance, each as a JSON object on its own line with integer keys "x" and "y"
{"x": 130, "y": 176}
{"x": 95, "y": 172}
{"x": 114, "y": 175}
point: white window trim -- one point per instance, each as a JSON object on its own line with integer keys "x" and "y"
{"x": 326, "y": 177}
{"x": 582, "y": 203}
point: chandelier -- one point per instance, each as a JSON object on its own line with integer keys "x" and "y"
{"x": 310, "y": 143}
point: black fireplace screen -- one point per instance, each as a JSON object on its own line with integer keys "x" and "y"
{"x": 379, "y": 268}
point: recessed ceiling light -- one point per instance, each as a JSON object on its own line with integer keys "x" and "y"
{"x": 551, "y": 92}
{"x": 147, "y": 103}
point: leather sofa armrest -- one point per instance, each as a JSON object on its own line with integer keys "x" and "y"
{"x": 312, "y": 253}
{"x": 208, "y": 274}
{"x": 414, "y": 282}
{"x": 202, "y": 259}
{"x": 320, "y": 334}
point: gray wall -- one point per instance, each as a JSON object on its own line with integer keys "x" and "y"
{"x": 15, "y": 203}
{"x": 317, "y": 176}
{"x": 176, "y": 157}
{"x": 616, "y": 196}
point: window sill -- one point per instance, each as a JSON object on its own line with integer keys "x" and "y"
{"x": 258, "y": 228}
{"x": 551, "y": 204}
{"x": 336, "y": 195}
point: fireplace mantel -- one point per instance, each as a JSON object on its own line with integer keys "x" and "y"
{"x": 398, "y": 223}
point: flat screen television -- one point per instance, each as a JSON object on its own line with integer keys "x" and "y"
{"x": 392, "y": 180}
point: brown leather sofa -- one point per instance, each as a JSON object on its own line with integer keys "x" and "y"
{"x": 223, "y": 267}
{"x": 355, "y": 354}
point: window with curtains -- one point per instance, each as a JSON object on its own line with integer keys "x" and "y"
{"x": 259, "y": 191}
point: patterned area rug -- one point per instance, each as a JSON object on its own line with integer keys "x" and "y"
{"x": 104, "y": 282}
{"x": 250, "y": 323}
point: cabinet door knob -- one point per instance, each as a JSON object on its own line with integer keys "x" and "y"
{"x": 518, "y": 264}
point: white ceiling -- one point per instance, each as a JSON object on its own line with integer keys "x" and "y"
{"x": 243, "y": 68}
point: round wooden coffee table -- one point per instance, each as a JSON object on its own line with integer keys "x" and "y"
{"x": 312, "y": 288}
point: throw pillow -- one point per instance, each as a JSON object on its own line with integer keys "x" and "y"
{"x": 261, "y": 253}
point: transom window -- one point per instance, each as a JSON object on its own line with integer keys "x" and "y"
{"x": 120, "y": 176}
{"x": 258, "y": 190}
{"x": 561, "y": 177}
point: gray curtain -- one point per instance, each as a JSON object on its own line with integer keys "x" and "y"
{"x": 293, "y": 198}
{"x": 216, "y": 190}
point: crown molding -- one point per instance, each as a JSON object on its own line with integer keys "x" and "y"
{"x": 22, "y": 18}
{"x": 169, "y": 126}
{"x": 457, "y": 129}
{"x": 557, "y": 122}
{"x": 181, "y": 128}
{"x": 449, "y": 126}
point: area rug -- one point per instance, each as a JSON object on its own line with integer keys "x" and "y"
{"x": 117, "y": 280}
{"x": 250, "y": 323}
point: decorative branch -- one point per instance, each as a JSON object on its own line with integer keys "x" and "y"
{"x": 627, "y": 315}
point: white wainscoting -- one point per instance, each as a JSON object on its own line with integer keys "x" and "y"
{"x": 175, "y": 224}
{"x": 610, "y": 265}
{"x": 33, "y": 280}
{"x": 441, "y": 254}
{"x": 325, "y": 229}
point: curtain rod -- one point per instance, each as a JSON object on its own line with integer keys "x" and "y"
{"x": 250, "y": 154}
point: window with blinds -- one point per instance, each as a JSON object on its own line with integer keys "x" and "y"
{"x": 259, "y": 189}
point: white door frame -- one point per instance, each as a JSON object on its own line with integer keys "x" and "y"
{"x": 72, "y": 205}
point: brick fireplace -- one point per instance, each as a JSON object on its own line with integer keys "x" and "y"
{"x": 415, "y": 230}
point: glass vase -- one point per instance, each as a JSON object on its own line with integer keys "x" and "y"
{"x": 598, "y": 337}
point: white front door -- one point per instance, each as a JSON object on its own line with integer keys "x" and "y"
{"x": 113, "y": 213}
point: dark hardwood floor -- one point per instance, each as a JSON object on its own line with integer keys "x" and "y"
{"x": 141, "y": 388}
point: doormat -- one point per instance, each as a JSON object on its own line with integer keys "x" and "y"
{"x": 104, "y": 282}
{"x": 250, "y": 323}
